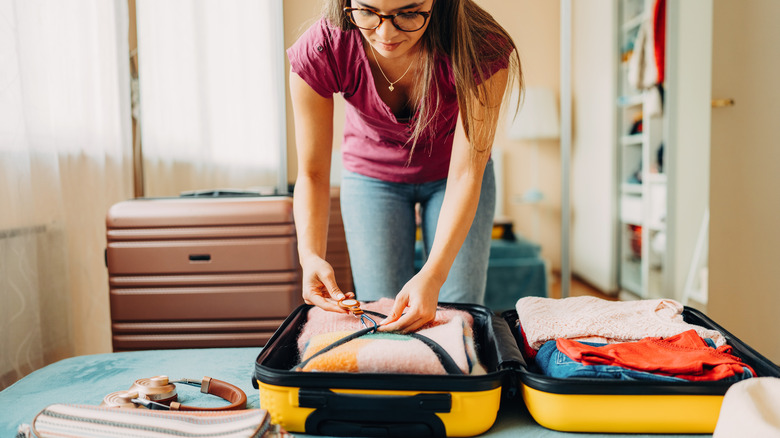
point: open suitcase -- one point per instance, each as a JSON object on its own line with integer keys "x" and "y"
{"x": 349, "y": 404}
{"x": 363, "y": 404}
{"x": 601, "y": 405}
{"x": 195, "y": 272}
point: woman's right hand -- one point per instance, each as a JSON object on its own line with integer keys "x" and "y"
{"x": 319, "y": 286}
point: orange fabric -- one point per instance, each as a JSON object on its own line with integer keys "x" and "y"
{"x": 686, "y": 355}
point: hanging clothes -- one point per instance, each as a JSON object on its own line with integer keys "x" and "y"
{"x": 648, "y": 62}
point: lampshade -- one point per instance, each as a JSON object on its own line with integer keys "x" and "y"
{"x": 537, "y": 118}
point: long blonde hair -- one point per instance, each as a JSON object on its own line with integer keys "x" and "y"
{"x": 473, "y": 41}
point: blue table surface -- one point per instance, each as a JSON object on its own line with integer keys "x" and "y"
{"x": 86, "y": 379}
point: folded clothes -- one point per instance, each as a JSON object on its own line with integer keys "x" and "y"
{"x": 381, "y": 352}
{"x": 685, "y": 355}
{"x": 554, "y": 363}
{"x": 321, "y": 321}
{"x": 592, "y": 319}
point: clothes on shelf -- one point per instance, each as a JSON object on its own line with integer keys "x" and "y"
{"x": 646, "y": 65}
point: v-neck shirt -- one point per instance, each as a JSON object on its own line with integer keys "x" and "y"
{"x": 375, "y": 143}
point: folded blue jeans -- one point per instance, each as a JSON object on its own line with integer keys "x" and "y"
{"x": 380, "y": 227}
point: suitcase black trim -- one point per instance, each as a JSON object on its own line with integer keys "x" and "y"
{"x": 336, "y": 413}
{"x": 496, "y": 349}
{"x": 532, "y": 378}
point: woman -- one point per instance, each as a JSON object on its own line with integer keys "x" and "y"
{"x": 423, "y": 81}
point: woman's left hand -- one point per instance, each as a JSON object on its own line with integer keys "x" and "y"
{"x": 414, "y": 306}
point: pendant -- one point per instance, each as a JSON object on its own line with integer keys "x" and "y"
{"x": 391, "y": 87}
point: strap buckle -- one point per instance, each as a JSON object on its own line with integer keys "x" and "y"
{"x": 353, "y": 306}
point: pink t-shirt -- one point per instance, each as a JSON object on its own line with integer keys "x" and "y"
{"x": 375, "y": 143}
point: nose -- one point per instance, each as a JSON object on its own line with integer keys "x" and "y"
{"x": 385, "y": 29}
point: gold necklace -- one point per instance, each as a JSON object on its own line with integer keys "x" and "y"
{"x": 391, "y": 87}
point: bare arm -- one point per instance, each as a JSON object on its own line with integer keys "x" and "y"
{"x": 311, "y": 203}
{"x": 418, "y": 299}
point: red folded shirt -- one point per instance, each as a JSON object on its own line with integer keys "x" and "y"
{"x": 686, "y": 355}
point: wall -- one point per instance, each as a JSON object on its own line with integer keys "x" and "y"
{"x": 534, "y": 26}
{"x": 594, "y": 134}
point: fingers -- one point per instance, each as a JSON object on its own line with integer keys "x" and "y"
{"x": 329, "y": 281}
{"x": 325, "y": 303}
{"x": 412, "y": 320}
{"x": 408, "y": 322}
{"x": 320, "y": 288}
{"x": 399, "y": 305}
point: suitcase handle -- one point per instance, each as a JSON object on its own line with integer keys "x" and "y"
{"x": 224, "y": 193}
{"x": 374, "y": 415}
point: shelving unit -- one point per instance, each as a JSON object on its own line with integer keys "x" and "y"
{"x": 642, "y": 185}
{"x": 668, "y": 204}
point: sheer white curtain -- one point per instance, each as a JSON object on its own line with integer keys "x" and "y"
{"x": 64, "y": 148}
{"x": 212, "y": 94}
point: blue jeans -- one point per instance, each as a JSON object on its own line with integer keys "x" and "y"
{"x": 379, "y": 223}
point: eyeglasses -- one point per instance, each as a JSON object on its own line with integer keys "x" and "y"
{"x": 404, "y": 21}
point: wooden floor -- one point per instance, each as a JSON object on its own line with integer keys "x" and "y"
{"x": 577, "y": 288}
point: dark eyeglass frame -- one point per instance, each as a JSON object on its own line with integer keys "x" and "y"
{"x": 348, "y": 10}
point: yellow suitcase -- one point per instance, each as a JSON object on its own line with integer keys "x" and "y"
{"x": 362, "y": 404}
{"x": 620, "y": 406}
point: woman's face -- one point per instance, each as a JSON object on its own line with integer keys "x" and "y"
{"x": 387, "y": 40}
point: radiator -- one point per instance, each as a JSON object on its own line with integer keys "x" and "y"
{"x": 34, "y": 316}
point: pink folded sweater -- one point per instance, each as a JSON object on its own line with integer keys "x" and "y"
{"x": 591, "y": 319}
{"x": 387, "y": 352}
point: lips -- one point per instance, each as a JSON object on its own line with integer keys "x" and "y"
{"x": 386, "y": 46}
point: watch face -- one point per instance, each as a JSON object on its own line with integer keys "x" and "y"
{"x": 349, "y": 303}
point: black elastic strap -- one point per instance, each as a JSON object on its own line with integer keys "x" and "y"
{"x": 444, "y": 358}
{"x": 341, "y": 341}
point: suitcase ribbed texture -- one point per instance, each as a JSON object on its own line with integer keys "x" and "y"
{"x": 200, "y": 272}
